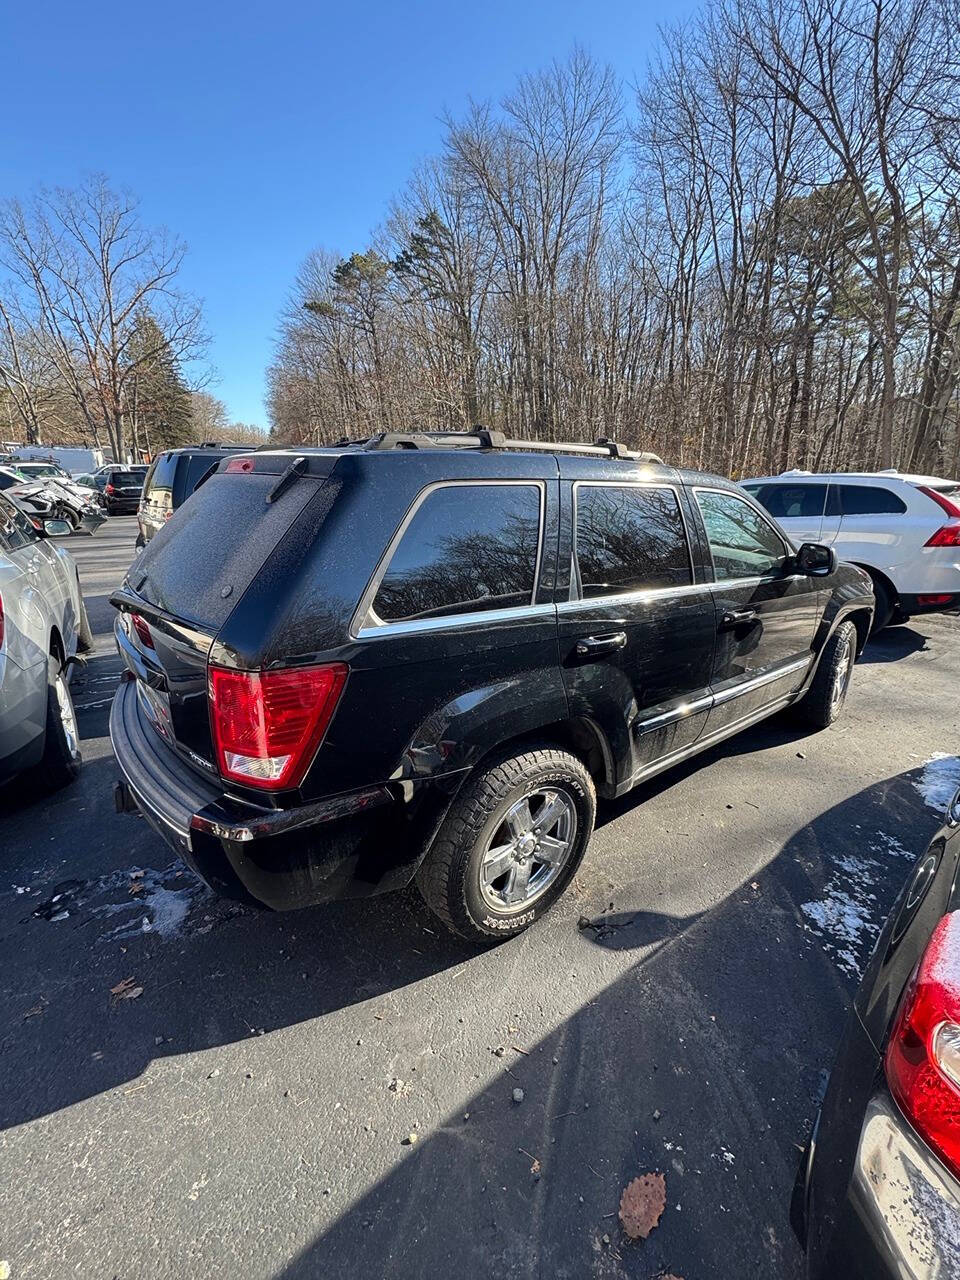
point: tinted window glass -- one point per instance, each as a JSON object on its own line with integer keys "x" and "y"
{"x": 791, "y": 501}
{"x": 468, "y": 547}
{"x": 161, "y": 478}
{"x": 869, "y": 500}
{"x": 16, "y": 528}
{"x": 9, "y": 482}
{"x": 228, "y": 530}
{"x": 196, "y": 469}
{"x": 743, "y": 545}
{"x": 629, "y": 538}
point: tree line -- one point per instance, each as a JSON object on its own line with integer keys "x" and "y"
{"x": 97, "y": 334}
{"x": 748, "y": 261}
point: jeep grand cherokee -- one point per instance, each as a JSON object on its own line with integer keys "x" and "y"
{"x": 424, "y": 656}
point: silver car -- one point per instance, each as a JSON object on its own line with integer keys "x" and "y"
{"x": 43, "y": 624}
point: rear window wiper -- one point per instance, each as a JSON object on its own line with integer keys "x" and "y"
{"x": 297, "y": 468}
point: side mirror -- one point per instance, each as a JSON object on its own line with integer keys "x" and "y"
{"x": 57, "y": 528}
{"x": 815, "y": 559}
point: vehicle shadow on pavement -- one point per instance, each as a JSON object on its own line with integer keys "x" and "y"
{"x": 893, "y": 644}
{"x": 464, "y": 1197}
{"x": 669, "y": 1069}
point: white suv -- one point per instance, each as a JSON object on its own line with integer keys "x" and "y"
{"x": 903, "y": 530}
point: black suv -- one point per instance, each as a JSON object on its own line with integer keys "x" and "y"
{"x": 425, "y": 656}
{"x": 173, "y": 476}
{"x": 121, "y": 487}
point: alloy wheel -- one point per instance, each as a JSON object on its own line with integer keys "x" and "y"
{"x": 528, "y": 850}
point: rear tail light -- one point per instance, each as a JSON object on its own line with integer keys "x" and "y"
{"x": 109, "y": 488}
{"x": 923, "y": 1056}
{"x": 142, "y": 629}
{"x": 947, "y": 535}
{"x": 267, "y": 725}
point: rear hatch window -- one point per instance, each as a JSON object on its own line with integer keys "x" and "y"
{"x": 202, "y": 561}
{"x": 949, "y": 490}
{"x": 160, "y": 487}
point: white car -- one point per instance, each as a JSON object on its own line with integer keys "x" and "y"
{"x": 43, "y": 623}
{"x": 904, "y": 530}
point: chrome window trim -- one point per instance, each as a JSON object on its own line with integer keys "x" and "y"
{"x": 366, "y": 623}
{"x": 577, "y": 581}
{"x": 652, "y": 593}
{"x": 456, "y": 621}
{"x": 753, "y": 505}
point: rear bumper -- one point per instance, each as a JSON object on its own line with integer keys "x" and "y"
{"x": 123, "y": 506}
{"x": 351, "y": 845}
{"x": 900, "y": 1217}
{"x": 929, "y": 602}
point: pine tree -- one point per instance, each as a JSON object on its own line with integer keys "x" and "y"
{"x": 158, "y": 399}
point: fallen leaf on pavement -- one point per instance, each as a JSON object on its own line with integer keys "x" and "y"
{"x": 642, "y": 1203}
{"x": 126, "y": 990}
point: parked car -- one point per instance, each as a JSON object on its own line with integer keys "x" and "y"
{"x": 903, "y": 530}
{"x": 122, "y": 487}
{"x": 172, "y": 477}
{"x": 54, "y": 499}
{"x": 426, "y": 655}
{"x": 43, "y": 624}
{"x": 879, "y": 1191}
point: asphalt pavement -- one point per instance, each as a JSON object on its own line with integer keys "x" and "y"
{"x": 190, "y": 1088}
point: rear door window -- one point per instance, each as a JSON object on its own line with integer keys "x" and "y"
{"x": 629, "y": 538}
{"x": 742, "y": 543}
{"x": 869, "y": 500}
{"x": 467, "y": 548}
{"x": 791, "y": 501}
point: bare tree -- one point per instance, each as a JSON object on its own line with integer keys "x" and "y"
{"x": 81, "y": 266}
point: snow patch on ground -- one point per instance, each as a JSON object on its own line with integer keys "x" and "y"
{"x": 939, "y": 780}
{"x": 890, "y": 845}
{"x": 843, "y": 919}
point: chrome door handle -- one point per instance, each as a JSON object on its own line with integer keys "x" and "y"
{"x": 595, "y": 646}
{"x": 738, "y": 618}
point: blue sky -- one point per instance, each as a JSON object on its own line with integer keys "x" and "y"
{"x": 257, "y": 132}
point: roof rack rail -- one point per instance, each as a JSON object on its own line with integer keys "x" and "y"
{"x": 485, "y": 438}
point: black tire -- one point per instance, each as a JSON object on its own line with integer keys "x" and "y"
{"x": 72, "y": 519}
{"x": 61, "y": 760}
{"x": 450, "y": 876}
{"x": 822, "y": 703}
{"x": 883, "y": 611}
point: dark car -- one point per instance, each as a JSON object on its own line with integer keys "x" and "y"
{"x": 426, "y": 655}
{"x": 121, "y": 488}
{"x": 172, "y": 477}
{"x": 879, "y": 1193}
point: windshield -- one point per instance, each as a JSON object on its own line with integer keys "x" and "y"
{"x": 40, "y": 469}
